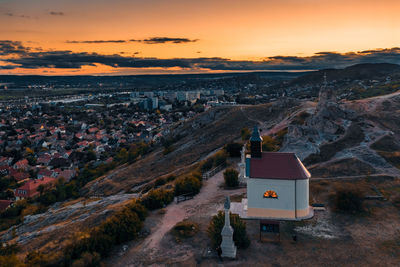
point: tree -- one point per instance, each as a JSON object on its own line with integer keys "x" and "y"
{"x": 239, "y": 230}
{"x": 231, "y": 178}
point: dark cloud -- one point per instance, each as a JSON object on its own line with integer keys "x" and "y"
{"x": 163, "y": 40}
{"x": 8, "y": 47}
{"x": 15, "y": 55}
{"x": 153, "y": 40}
{"x": 56, "y": 13}
{"x": 96, "y": 42}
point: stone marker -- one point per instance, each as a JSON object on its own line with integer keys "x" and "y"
{"x": 227, "y": 245}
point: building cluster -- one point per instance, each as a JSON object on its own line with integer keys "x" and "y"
{"x": 42, "y": 143}
{"x": 165, "y": 100}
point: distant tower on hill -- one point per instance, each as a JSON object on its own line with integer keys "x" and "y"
{"x": 256, "y": 143}
{"x": 326, "y": 95}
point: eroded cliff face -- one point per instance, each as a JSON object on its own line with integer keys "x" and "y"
{"x": 338, "y": 132}
{"x": 328, "y": 122}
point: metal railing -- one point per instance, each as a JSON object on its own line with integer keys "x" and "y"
{"x": 212, "y": 172}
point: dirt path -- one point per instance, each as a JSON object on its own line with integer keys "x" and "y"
{"x": 151, "y": 247}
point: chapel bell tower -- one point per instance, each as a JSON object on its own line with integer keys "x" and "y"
{"x": 256, "y": 144}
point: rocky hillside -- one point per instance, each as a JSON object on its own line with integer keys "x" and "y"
{"x": 196, "y": 139}
{"x": 348, "y": 138}
{"x": 334, "y": 139}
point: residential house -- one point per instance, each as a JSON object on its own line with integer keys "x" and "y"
{"x": 30, "y": 188}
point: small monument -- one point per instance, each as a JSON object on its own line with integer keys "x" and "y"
{"x": 227, "y": 245}
{"x": 242, "y": 166}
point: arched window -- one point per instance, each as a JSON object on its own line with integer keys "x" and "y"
{"x": 270, "y": 194}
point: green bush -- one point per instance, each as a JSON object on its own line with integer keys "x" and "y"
{"x": 231, "y": 178}
{"x": 158, "y": 198}
{"x": 187, "y": 185}
{"x": 239, "y": 230}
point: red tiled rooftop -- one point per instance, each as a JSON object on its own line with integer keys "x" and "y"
{"x": 278, "y": 165}
{"x": 31, "y": 187}
{"x": 4, "y": 204}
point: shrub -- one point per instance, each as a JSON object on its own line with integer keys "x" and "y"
{"x": 245, "y": 133}
{"x": 118, "y": 227}
{"x": 348, "y": 200}
{"x": 6, "y": 249}
{"x": 168, "y": 150}
{"x": 187, "y": 185}
{"x": 220, "y": 158}
{"x": 184, "y": 229}
{"x": 239, "y": 230}
{"x": 159, "y": 182}
{"x": 157, "y": 198}
{"x": 171, "y": 178}
{"x": 207, "y": 165}
{"x": 87, "y": 260}
{"x": 124, "y": 225}
{"x": 233, "y": 149}
{"x": 139, "y": 209}
{"x": 35, "y": 258}
{"x": 10, "y": 261}
{"x": 270, "y": 144}
{"x": 231, "y": 178}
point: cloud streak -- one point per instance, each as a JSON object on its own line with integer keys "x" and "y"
{"x": 9, "y": 14}
{"x": 152, "y": 40}
{"x": 56, "y": 13}
{"x": 163, "y": 40}
{"x": 15, "y": 55}
{"x": 97, "y": 42}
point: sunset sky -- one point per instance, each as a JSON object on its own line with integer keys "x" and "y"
{"x": 180, "y": 36}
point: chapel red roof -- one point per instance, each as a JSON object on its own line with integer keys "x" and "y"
{"x": 278, "y": 165}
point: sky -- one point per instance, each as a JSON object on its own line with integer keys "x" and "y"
{"x": 70, "y": 37}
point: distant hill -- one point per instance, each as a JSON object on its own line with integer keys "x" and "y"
{"x": 368, "y": 71}
{"x": 138, "y": 81}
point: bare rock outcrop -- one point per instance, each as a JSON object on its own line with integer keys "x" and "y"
{"x": 328, "y": 123}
